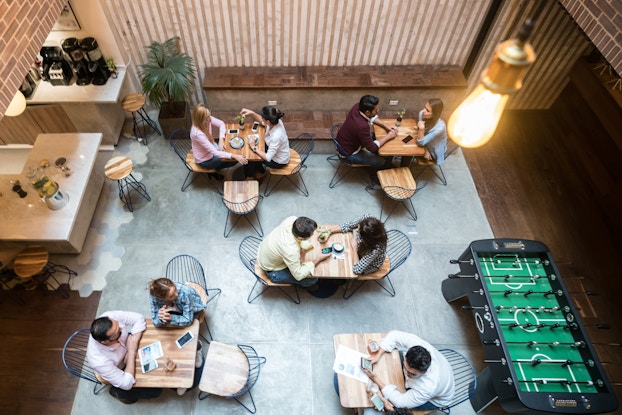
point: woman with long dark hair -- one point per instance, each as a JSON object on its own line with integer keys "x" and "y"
{"x": 432, "y": 132}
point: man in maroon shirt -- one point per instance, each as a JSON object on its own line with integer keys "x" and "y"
{"x": 356, "y": 135}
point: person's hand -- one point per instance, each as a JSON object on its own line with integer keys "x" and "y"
{"x": 250, "y": 141}
{"x": 164, "y": 315}
{"x": 132, "y": 343}
{"x": 394, "y": 128}
{"x": 371, "y": 375}
{"x": 391, "y": 134}
{"x": 245, "y": 111}
{"x": 421, "y": 125}
{"x": 240, "y": 159}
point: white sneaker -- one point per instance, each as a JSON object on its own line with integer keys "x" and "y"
{"x": 181, "y": 391}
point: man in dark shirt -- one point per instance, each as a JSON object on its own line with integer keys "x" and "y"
{"x": 356, "y": 134}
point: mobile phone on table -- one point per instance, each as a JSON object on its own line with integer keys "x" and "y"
{"x": 255, "y": 127}
{"x": 377, "y": 401}
{"x": 366, "y": 363}
{"x": 407, "y": 138}
{"x": 184, "y": 339}
{"x": 326, "y": 250}
{"x": 234, "y": 131}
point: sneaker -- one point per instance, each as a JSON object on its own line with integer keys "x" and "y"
{"x": 421, "y": 184}
{"x": 198, "y": 360}
{"x": 181, "y": 391}
{"x": 115, "y": 394}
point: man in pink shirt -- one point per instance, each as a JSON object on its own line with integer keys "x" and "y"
{"x": 112, "y": 350}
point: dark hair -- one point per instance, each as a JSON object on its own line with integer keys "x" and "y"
{"x": 272, "y": 114}
{"x": 368, "y": 103}
{"x": 418, "y": 358}
{"x": 437, "y": 108}
{"x": 160, "y": 287}
{"x": 303, "y": 227}
{"x": 372, "y": 234}
{"x": 100, "y": 327}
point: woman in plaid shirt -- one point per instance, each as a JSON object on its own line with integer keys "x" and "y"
{"x": 371, "y": 239}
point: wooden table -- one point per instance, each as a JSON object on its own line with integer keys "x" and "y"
{"x": 340, "y": 268}
{"x": 246, "y": 150}
{"x": 352, "y": 393}
{"x": 397, "y": 147}
{"x": 183, "y": 375}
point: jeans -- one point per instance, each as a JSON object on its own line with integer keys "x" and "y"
{"x": 365, "y": 157}
{"x": 284, "y": 276}
{"x": 217, "y": 163}
{"x": 137, "y": 393}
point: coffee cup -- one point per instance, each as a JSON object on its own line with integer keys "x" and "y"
{"x": 338, "y": 247}
{"x": 373, "y": 346}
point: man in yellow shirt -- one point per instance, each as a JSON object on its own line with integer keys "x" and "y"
{"x": 279, "y": 253}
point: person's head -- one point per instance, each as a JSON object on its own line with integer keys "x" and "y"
{"x": 303, "y": 227}
{"x": 368, "y": 105}
{"x": 201, "y": 117}
{"x": 372, "y": 234}
{"x": 432, "y": 112}
{"x": 106, "y": 330}
{"x": 417, "y": 362}
{"x": 271, "y": 114}
{"x": 163, "y": 289}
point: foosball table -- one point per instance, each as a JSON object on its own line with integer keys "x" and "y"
{"x": 540, "y": 359}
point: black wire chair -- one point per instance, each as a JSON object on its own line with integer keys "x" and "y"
{"x": 302, "y": 147}
{"x": 398, "y": 250}
{"x": 431, "y": 164}
{"x": 74, "y": 358}
{"x": 465, "y": 380}
{"x": 233, "y": 200}
{"x": 187, "y": 269}
{"x": 341, "y": 158}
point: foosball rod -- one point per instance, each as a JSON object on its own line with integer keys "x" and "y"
{"x": 560, "y": 381}
{"x": 461, "y": 261}
{"x": 527, "y": 293}
{"x": 532, "y": 343}
{"x": 563, "y": 363}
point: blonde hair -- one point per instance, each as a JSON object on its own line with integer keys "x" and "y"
{"x": 200, "y": 114}
{"x": 160, "y": 287}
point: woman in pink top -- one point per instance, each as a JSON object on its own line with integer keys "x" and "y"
{"x": 206, "y": 152}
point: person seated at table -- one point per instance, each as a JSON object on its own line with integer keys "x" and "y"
{"x": 279, "y": 253}
{"x": 357, "y": 139}
{"x": 428, "y": 376}
{"x": 276, "y": 152}
{"x": 111, "y": 352}
{"x": 206, "y": 152}
{"x": 432, "y": 132}
{"x": 173, "y": 303}
{"x": 371, "y": 241}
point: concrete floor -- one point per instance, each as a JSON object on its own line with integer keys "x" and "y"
{"x": 125, "y": 250}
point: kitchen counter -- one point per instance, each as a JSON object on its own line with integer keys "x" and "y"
{"x": 46, "y": 93}
{"x": 28, "y": 221}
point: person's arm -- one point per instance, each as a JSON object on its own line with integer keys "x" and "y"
{"x": 131, "y": 344}
{"x": 222, "y": 131}
{"x": 250, "y": 113}
{"x": 159, "y": 314}
{"x": 291, "y": 258}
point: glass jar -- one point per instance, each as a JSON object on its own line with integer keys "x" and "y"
{"x": 41, "y": 182}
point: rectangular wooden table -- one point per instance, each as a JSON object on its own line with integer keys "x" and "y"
{"x": 184, "y": 358}
{"x": 245, "y": 151}
{"x": 352, "y": 393}
{"x": 397, "y": 147}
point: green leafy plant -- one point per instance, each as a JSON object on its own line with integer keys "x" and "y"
{"x": 401, "y": 113}
{"x": 240, "y": 118}
{"x": 167, "y": 78}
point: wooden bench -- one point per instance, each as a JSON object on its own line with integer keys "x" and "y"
{"x": 314, "y": 98}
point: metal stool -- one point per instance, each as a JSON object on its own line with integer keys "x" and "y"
{"x": 120, "y": 169}
{"x": 32, "y": 265}
{"x": 135, "y": 103}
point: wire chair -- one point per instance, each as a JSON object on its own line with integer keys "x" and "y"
{"x": 74, "y": 359}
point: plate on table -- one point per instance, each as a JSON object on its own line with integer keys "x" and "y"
{"x": 255, "y": 137}
{"x": 236, "y": 142}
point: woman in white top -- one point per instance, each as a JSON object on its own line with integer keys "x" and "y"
{"x": 206, "y": 152}
{"x": 276, "y": 153}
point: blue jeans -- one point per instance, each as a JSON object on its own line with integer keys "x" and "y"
{"x": 365, "y": 157}
{"x": 284, "y": 276}
{"x": 217, "y": 163}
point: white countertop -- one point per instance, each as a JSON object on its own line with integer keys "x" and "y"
{"x": 29, "y": 219}
{"x": 46, "y": 93}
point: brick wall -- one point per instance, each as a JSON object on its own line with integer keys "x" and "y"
{"x": 601, "y": 20}
{"x": 24, "y": 26}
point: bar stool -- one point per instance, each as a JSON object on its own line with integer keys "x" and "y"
{"x": 135, "y": 103}
{"x": 32, "y": 264}
{"x": 120, "y": 169}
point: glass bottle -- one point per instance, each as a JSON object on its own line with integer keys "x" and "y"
{"x": 41, "y": 182}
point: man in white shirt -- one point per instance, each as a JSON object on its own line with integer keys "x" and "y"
{"x": 112, "y": 350}
{"x": 428, "y": 376}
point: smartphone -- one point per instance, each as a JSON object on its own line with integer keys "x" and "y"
{"x": 255, "y": 127}
{"x": 407, "y": 138}
{"x": 184, "y": 339}
{"x": 327, "y": 250}
{"x": 149, "y": 366}
{"x": 234, "y": 131}
{"x": 377, "y": 401}
{"x": 366, "y": 363}
{"x": 175, "y": 311}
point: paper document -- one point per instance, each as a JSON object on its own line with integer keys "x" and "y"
{"x": 348, "y": 363}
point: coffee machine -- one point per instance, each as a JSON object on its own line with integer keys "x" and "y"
{"x": 96, "y": 61}
{"x": 56, "y": 69}
{"x": 71, "y": 46}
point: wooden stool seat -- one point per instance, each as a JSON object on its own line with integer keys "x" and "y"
{"x": 398, "y": 184}
{"x": 118, "y": 168}
{"x": 241, "y": 198}
{"x": 30, "y": 262}
{"x": 264, "y": 277}
{"x": 225, "y": 371}
{"x": 204, "y": 297}
{"x": 295, "y": 162}
{"x": 133, "y": 102}
{"x": 196, "y": 168}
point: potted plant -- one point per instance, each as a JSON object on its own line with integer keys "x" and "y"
{"x": 241, "y": 119}
{"x": 167, "y": 79}
{"x": 400, "y": 115}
